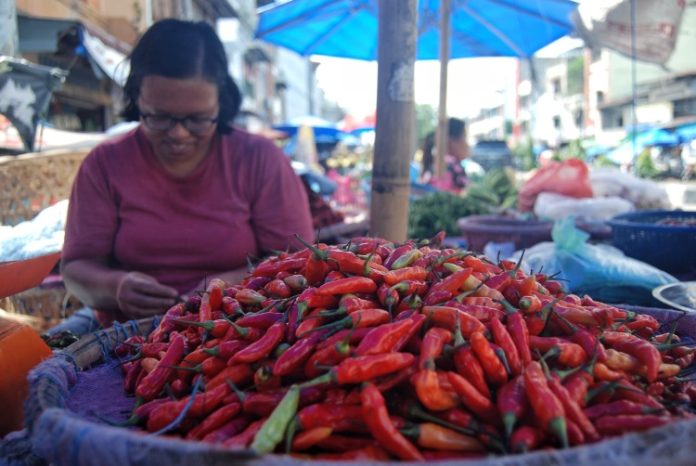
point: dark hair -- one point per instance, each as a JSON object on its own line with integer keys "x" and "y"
{"x": 455, "y": 130}
{"x": 182, "y": 49}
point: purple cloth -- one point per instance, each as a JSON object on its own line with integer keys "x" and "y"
{"x": 99, "y": 394}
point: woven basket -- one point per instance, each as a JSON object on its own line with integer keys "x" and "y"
{"x": 61, "y": 437}
{"x": 31, "y": 182}
{"x": 47, "y": 306}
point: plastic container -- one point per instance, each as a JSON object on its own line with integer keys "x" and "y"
{"x": 16, "y": 276}
{"x": 478, "y": 230}
{"x": 669, "y": 247}
{"x": 20, "y": 350}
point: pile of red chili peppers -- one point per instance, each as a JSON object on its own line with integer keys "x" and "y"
{"x": 371, "y": 350}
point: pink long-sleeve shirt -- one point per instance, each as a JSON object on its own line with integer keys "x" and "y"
{"x": 244, "y": 199}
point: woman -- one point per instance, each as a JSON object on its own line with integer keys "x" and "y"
{"x": 454, "y": 178}
{"x": 182, "y": 198}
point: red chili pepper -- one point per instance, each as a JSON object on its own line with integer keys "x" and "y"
{"x": 433, "y": 344}
{"x": 622, "y": 423}
{"x": 278, "y": 289}
{"x": 231, "y": 306}
{"x": 409, "y": 273}
{"x": 449, "y": 285}
{"x": 329, "y": 356}
{"x": 386, "y": 337}
{"x": 444, "y": 316}
{"x": 567, "y": 353}
{"x": 575, "y": 434}
{"x": 546, "y": 406}
{"x": 237, "y": 374}
{"x": 526, "y": 438}
{"x": 437, "y": 437}
{"x": 472, "y": 398}
{"x": 431, "y": 393}
{"x": 348, "y": 285}
{"x": 167, "y": 324}
{"x": 351, "y": 303}
{"x": 295, "y": 356}
{"x": 503, "y": 339}
{"x": 641, "y": 349}
{"x": 243, "y": 439}
{"x": 338, "y": 417}
{"x": 491, "y": 364}
{"x": 529, "y": 304}
{"x": 248, "y": 296}
{"x": 618, "y": 407}
{"x": 573, "y": 410}
{"x": 260, "y": 320}
{"x": 482, "y": 313}
{"x": 228, "y": 430}
{"x": 511, "y": 403}
{"x": 352, "y": 336}
{"x": 469, "y": 366}
{"x": 153, "y": 383}
{"x": 262, "y": 347}
{"x": 214, "y": 421}
{"x": 377, "y": 419}
{"x": 132, "y": 372}
{"x": 387, "y": 297}
{"x": 308, "y": 438}
{"x": 363, "y": 368}
{"x": 396, "y": 253}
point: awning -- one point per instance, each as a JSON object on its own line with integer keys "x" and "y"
{"x": 107, "y": 55}
{"x": 25, "y": 91}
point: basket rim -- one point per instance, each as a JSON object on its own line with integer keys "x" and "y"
{"x": 633, "y": 219}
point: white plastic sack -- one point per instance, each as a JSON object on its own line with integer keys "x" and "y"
{"x": 43, "y": 234}
{"x": 644, "y": 194}
{"x": 555, "y": 207}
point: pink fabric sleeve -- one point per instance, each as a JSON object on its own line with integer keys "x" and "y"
{"x": 92, "y": 214}
{"x": 281, "y": 209}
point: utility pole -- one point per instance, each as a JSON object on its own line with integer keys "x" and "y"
{"x": 9, "y": 42}
{"x": 395, "y": 140}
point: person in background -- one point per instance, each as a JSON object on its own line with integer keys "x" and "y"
{"x": 182, "y": 198}
{"x": 454, "y": 178}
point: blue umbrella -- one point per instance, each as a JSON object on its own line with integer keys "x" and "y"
{"x": 687, "y": 132}
{"x": 324, "y": 130}
{"x": 480, "y": 28}
{"x": 657, "y": 137}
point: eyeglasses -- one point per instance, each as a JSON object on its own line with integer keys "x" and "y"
{"x": 193, "y": 124}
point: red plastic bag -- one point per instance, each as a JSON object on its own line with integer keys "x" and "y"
{"x": 570, "y": 178}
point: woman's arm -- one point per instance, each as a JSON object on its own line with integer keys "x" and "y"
{"x": 135, "y": 294}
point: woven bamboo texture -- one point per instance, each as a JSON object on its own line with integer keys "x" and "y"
{"x": 31, "y": 182}
{"x": 46, "y": 306}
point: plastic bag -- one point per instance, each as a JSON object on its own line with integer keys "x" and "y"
{"x": 644, "y": 194}
{"x": 556, "y": 206}
{"x": 570, "y": 178}
{"x": 601, "y": 271}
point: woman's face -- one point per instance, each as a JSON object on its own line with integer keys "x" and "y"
{"x": 459, "y": 147}
{"x": 179, "y": 149}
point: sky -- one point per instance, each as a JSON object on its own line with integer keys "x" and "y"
{"x": 473, "y": 83}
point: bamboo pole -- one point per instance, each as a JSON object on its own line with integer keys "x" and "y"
{"x": 395, "y": 130}
{"x": 441, "y": 135}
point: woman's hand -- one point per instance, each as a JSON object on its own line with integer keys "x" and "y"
{"x": 139, "y": 295}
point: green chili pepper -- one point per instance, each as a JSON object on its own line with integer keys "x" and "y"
{"x": 273, "y": 430}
